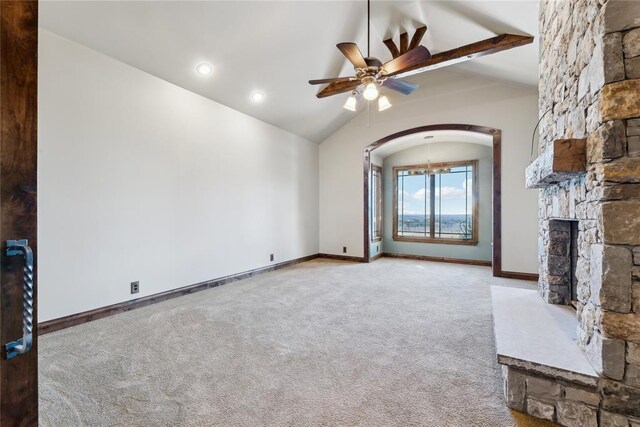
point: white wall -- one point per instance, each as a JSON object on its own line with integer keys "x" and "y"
{"x": 142, "y": 180}
{"x": 446, "y": 96}
{"x": 438, "y": 153}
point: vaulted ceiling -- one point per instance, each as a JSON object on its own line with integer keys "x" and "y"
{"x": 276, "y": 46}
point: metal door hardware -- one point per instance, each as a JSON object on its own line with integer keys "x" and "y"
{"x": 23, "y": 345}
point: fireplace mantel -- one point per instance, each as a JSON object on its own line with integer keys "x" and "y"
{"x": 564, "y": 159}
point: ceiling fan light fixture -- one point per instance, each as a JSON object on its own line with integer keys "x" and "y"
{"x": 370, "y": 92}
{"x": 350, "y": 104}
{"x": 383, "y": 103}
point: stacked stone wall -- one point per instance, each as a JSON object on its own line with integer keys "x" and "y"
{"x": 590, "y": 88}
{"x": 568, "y": 403}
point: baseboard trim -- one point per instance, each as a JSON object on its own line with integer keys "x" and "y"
{"x": 376, "y": 257}
{"x": 439, "y": 259}
{"x": 518, "y": 275}
{"x": 110, "y": 310}
{"x": 342, "y": 257}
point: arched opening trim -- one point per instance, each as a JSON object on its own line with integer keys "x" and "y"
{"x": 496, "y": 263}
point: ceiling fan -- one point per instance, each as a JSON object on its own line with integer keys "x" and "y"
{"x": 408, "y": 58}
{"x": 371, "y": 73}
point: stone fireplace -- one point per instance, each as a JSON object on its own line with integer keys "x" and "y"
{"x": 560, "y": 277}
{"x": 588, "y": 176}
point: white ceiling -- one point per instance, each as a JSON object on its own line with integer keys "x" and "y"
{"x": 276, "y": 46}
{"x": 432, "y": 137}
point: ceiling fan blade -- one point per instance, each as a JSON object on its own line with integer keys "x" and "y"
{"x": 338, "y": 87}
{"x": 323, "y": 81}
{"x": 352, "y": 53}
{"x": 410, "y": 59}
{"x": 405, "y": 88}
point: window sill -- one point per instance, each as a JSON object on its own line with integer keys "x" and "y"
{"x": 438, "y": 241}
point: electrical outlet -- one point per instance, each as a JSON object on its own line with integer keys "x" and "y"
{"x": 344, "y": 249}
{"x": 135, "y": 287}
{"x": 377, "y": 249}
{"x": 271, "y": 258}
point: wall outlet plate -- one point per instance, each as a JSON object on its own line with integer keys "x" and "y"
{"x": 135, "y": 287}
{"x": 344, "y": 249}
{"x": 271, "y": 258}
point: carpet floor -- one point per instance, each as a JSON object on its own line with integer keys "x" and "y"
{"x": 323, "y": 343}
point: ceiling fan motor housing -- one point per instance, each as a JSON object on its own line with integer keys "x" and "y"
{"x": 371, "y": 73}
{"x": 373, "y": 62}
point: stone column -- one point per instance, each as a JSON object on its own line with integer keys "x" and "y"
{"x": 590, "y": 88}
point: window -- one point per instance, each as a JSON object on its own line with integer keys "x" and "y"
{"x": 376, "y": 203}
{"x": 436, "y": 203}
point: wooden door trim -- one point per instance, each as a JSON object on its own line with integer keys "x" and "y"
{"x": 377, "y": 169}
{"x": 18, "y": 202}
{"x": 496, "y": 134}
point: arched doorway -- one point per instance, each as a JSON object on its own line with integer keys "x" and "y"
{"x": 496, "y": 134}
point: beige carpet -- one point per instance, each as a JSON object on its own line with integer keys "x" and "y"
{"x": 324, "y": 343}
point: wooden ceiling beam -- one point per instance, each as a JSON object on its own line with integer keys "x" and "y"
{"x": 417, "y": 37}
{"x": 467, "y": 52}
{"x": 392, "y": 48}
{"x": 404, "y": 43}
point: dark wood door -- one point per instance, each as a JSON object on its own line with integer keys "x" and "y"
{"x": 18, "y": 184}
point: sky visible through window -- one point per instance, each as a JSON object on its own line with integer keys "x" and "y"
{"x": 453, "y": 191}
{"x": 452, "y": 202}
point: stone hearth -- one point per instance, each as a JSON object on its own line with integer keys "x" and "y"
{"x": 590, "y": 91}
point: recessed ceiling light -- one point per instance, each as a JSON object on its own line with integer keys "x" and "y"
{"x": 204, "y": 68}
{"x": 257, "y": 97}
